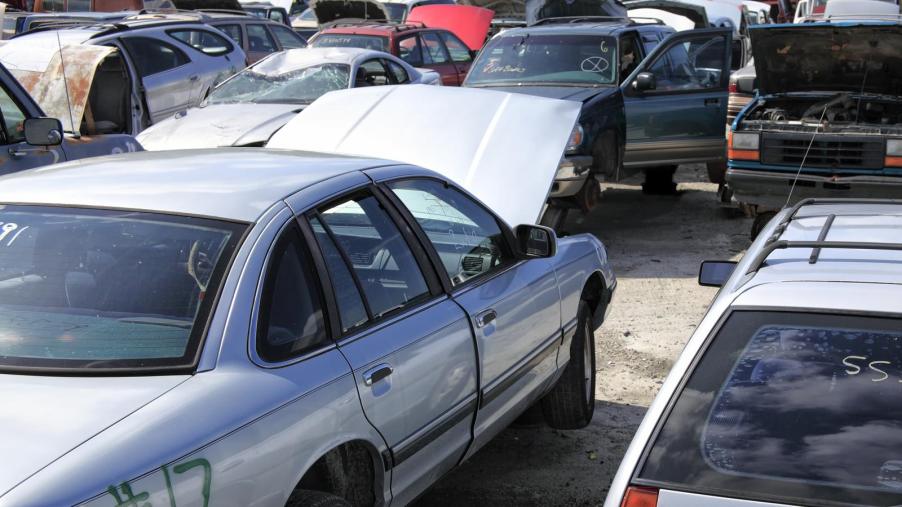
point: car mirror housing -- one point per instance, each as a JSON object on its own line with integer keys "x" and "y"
{"x": 43, "y": 131}
{"x": 644, "y": 81}
{"x": 715, "y": 273}
{"x": 535, "y": 241}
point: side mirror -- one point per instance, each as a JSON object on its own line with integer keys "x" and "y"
{"x": 535, "y": 241}
{"x": 644, "y": 81}
{"x": 43, "y": 131}
{"x": 715, "y": 273}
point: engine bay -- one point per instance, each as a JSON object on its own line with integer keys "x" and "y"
{"x": 839, "y": 113}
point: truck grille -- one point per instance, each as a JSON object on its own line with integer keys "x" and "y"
{"x": 826, "y": 151}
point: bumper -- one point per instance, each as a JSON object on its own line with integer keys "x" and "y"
{"x": 571, "y": 175}
{"x": 770, "y": 190}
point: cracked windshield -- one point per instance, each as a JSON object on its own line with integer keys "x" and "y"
{"x": 301, "y": 86}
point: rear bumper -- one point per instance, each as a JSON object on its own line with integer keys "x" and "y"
{"x": 571, "y": 175}
{"x": 770, "y": 190}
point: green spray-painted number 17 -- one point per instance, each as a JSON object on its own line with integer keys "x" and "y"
{"x": 125, "y": 497}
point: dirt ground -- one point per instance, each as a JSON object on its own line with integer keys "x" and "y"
{"x": 655, "y": 244}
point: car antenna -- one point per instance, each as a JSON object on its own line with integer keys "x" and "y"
{"x": 59, "y": 45}
{"x": 861, "y": 92}
{"x": 805, "y": 157}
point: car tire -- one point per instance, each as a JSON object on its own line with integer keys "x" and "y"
{"x": 554, "y": 216}
{"x": 571, "y": 402}
{"x": 717, "y": 172}
{"x": 761, "y": 220}
{"x": 606, "y": 157}
{"x": 306, "y": 498}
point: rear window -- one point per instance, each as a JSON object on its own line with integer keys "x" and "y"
{"x": 340, "y": 40}
{"x": 794, "y": 407}
{"x": 92, "y": 290}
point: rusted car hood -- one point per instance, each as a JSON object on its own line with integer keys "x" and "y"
{"x": 41, "y": 73}
{"x": 218, "y": 125}
{"x": 830, "y": 57}
{"x": 331, "y": 10}
{"x": 469, "y": 23}
{"x": 502, "y": 147}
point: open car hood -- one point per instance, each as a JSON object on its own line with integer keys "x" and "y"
{"x": 469, "y": 23}
{"x": 695, "y": 13}
{"x": 62, "y": 96}
{"x": 502, "y": 147}
{"x": 331, "y": 10}
{"x": 543, "y": 9}
{"x": 828, "y": 57}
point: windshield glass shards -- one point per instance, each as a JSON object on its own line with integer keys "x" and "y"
{"x": 301, "y": 86}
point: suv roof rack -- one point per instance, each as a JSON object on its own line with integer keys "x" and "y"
{"x": 598, "y": 19}
{"x": 774, "y": 243}
{"x": 373, "y": 23}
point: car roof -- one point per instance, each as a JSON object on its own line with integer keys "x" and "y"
{"x": 381, "y": 29}
{"x": 237, "y": 184}
{"x": 294, "y": 59}
{"x": 835, "y": 241}
{"x": 580, "y": 26}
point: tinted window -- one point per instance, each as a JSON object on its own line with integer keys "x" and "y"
{"x": 371, "y": 73}
{"x": 693, "y": 64}
{"x": 340, "y": 40}
{"x": 233, "y": 31}
{"x": 152, "y": 56}
{"x": 551, "y": 59}
{"x": 291, "y": 318}
{"x": 410, "y": 51}
{"x": 259, "y": 40}
{"x": 396, "y": 11}
{"x": 91, "y": 289}
{"x": 287, "y": 39}
{"x": 380, "y": 257}
{"x": 13, "y": 118}
{"x": 277, "y": 16}
{"x": 465, "y": 235}
{"x": 399, "y": 73}
{"x": 433, "y": 48}
{"x": 630, "y": 54}
{"x": 458, "y": 50}
{"x": 799, "y": 406}
{"x": 350, "y": 304}
{"x": 206, "y": 42}
{"x": 78, "y": 5}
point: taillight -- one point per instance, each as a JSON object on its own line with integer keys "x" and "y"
{"x": 734, "y": 88}
{"x": 640, "y": 497}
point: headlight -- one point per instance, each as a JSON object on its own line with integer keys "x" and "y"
{"x": 576, "y": 139}
{"x": 745, "y": 141}
{"x": 894, "y": 147}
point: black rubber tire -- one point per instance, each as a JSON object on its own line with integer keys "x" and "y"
{"x": 606, "y": 156}
{"x": 306, "y": 498}
{"x": 555, "y": 216}
{"x": 659, "y": 180}
{"x": 761, "y": 220}
{"x": 717, "y": 172}
{"x": 571, "y": 402}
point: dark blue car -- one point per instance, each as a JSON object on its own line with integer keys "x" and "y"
{"x": 652, "y": 98}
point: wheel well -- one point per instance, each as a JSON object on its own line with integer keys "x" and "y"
{"x": 595, "y": 293}
{"x": 347, "y": 471}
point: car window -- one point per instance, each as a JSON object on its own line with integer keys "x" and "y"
{"x": 691, "y": 64}
{"x": 630, "y": 54}
{"x": 410, "y": 51}
{"x": 398, "y": 72}
{"x": 233, "y": 31}
{"x": 86, "y": 289}
{"x": 466, "y": 237}
{"x": 341, "y": 40}
{"x": 804, "y": 408}
{"x": 371, "y": 73}
{"x": 152, "y": 56}
{"x": 351, "y": 310}
{"x": 434, "y": 48}
{"x": 13, "y": 119}
{"x": 258, "y": 39}
{"x": 458, "y": 50}
{"x": 380, "y": 258}
{"x": 287, "y": 38}
{"x": 78, "y": 5}
{"x": 206, "y": 42}
{"x": 281, "y": 86}
{"x": 291, "y": 319}
{"x": 277, "y": 16}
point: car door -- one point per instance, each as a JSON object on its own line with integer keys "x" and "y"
{"x": 160, "y": 67}
{"x": 681, "y": 118}
{"x": 211, "y": 55}
{"x": 460, "y": 54}
{"x": 372, "y": 72}
{"x": 436, "y": 57}
{"x": 19, "y": 155}
{"x": 259, "y": 42}
{"x": 513, "y": 305}
{"x": 409, "y": 344}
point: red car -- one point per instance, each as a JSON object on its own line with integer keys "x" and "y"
{"x": 429, "y": 48}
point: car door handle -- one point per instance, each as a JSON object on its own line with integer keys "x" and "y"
{"x": 192, "y": 78}
{"x": 485, "y": 318}
{"x": 376, "y": 374}
{"x": 17, "y": 152}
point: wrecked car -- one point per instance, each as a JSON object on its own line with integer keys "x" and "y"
{"x": 292, "y": 328}
{"x": 827, "y": 120}
{"x": 150, "y": 67}
{"x": 651, "y": 98}
{"x": 249, "y": 107}
{"x": 29, "y": 138}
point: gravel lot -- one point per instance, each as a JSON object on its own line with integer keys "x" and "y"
{"x": 655, "y": 244}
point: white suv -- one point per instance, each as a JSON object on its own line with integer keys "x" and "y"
{"x": 790, "y": 389}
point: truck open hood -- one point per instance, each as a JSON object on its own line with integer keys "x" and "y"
{"x": 502, "y": 147}
{"x": 828, "y": 57}
{"x": 331, "y": 10}
{"x": 469, "y": 23}
{"x": 543, "y": 9}
{"x": 695, "y": 13}
{"x": 43, "y": 418}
